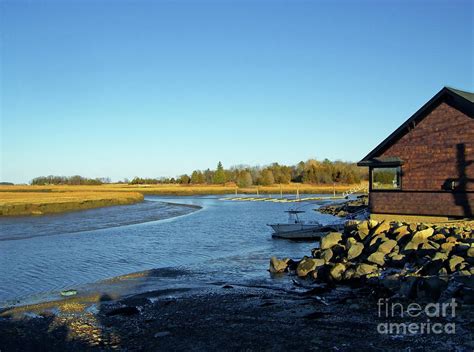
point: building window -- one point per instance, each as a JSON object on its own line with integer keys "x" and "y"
{"x": 387, "y": 178}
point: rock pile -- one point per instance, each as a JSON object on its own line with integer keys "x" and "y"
{"x": 346, "y": 208}
{"x": 412, "y": 260}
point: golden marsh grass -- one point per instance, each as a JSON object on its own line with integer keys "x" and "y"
{"x": 37, "y": 200}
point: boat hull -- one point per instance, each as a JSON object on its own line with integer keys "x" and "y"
{"x": 307, "y": 234}
{"x": 282, "y": 228}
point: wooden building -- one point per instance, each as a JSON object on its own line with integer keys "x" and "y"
{"x": 425, "y": 169}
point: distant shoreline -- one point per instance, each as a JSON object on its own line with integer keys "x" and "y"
{"x": 21, "y": 200}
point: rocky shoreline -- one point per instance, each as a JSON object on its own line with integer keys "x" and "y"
{"x": 410, "y": 260}
{"x": 346, "y": 208}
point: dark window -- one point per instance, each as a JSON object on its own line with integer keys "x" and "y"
{"x": 386, "y": 178}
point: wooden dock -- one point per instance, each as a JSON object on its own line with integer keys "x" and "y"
{"x": 280, "y": 199}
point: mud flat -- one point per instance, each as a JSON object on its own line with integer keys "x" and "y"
{"x": 231, "y": 318}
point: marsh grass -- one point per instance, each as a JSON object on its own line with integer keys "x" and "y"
{"x": 37, "y": 200}
{"x": 178, "y": 189}
{"x": 40, "y": 202}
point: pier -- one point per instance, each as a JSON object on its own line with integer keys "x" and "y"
{"x": 280, "y": 200}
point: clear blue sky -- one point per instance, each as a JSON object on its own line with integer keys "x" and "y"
{"x": 159, "y": 88}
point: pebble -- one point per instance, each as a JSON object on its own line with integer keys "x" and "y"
{"x": 162, "y": 334}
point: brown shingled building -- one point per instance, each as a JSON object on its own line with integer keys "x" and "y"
{"x": 425, "y": 169}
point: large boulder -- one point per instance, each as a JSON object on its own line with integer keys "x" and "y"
{"x": 451, "y": 239}
{"x": 383, "y": 227}
{"x": 362, "y": 270}
{"x": 443, "y": 273}
{"x": 373, "y": 224}
{"x": 377, "y": 258}
{"x": 447, "y": 247}
{"x": 349, "y": 242}
{"x": 337, "y": 271}
{"x": 411, "y": 246}
{"x": 376, "y": 240}
{"x": 330, "y": 240}
{"x": 348, "y": 274}
{"x": 277, "y": 265}
{"x": 401, "y": 232}
{"x": 455, "y": 262}
{"x": 387, "y": 246}
{"x": 327, "y": 255}
{"x": 439, "y": 237}
{"x": 440, "y": 256}
{"x": 428, "y": 248}
{"x": 306, "y": 265}
{"x": 355, "y": 250}
{"x": 422, "y": 235}
{"x": 363, "y": 230}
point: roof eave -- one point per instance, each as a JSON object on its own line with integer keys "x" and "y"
{"x": 377, "y": 163}
{"x": 468, "y": 108}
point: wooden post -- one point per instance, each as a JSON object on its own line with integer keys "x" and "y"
{"x": 257, "y": 190}
{"x": 334, "y": 189}
{"x": 281, "y": 192}
{"x": 297, "y": 193}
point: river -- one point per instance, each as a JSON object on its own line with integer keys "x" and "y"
{"x": 200, "y": 239}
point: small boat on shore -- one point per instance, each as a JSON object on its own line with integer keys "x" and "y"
{"x": 68, "y": 293}
{"x": 298, "y": 229}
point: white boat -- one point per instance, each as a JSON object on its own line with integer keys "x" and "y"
{"x": 296, "y": 228}
{"x": 294, "y": 223}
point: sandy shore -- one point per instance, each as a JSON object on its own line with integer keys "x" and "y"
{"x": 231, "y": 318}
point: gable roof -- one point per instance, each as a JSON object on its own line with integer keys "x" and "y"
{"x": 461, "y": 100}
{"x": 466, "y": 95}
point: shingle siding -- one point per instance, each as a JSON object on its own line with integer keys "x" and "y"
{"x": 430, "y": 153}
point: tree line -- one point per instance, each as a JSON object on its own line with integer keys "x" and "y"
{"x": 68, "y": 180}
{"x": 311, "y": 171}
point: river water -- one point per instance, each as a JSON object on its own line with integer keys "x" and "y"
{"x": 201, "y": 239}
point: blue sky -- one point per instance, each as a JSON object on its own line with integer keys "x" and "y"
{"x": 159, "y": 88}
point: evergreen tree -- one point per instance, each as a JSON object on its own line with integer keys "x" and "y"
{"x": 219, "y": 175}
{"x": 197, "y": 177}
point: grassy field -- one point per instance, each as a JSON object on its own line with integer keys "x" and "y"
{"x": 31, "y": 200}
